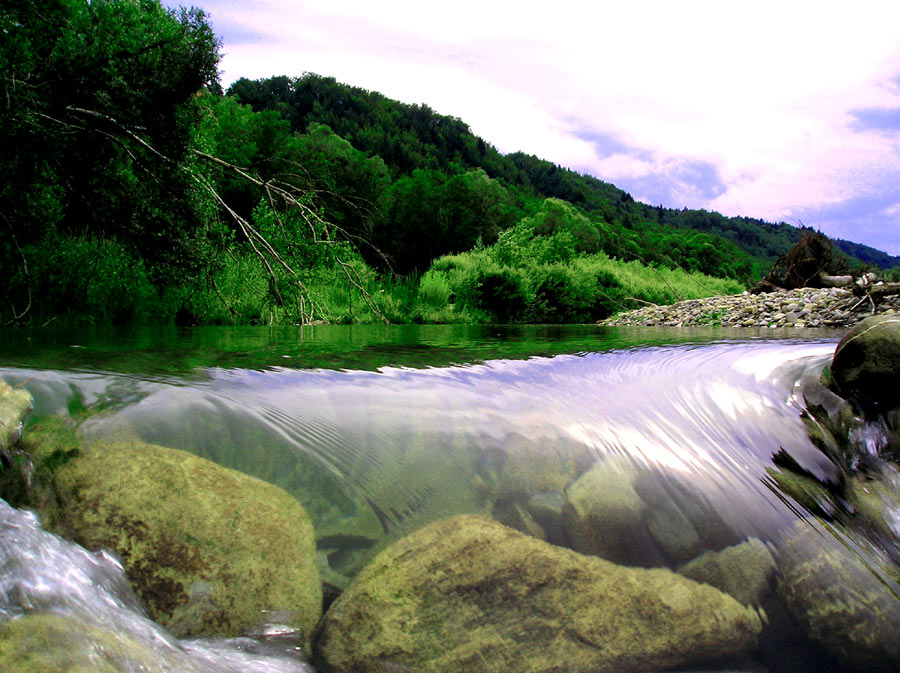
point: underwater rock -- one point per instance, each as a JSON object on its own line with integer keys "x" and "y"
{"x": 48, "y": 643}
{"x": 535, "y": 467}
{"x": 847, "y": 603}
{"x": 469, "y": 594}
{"x": 866, "y": 363}
{"x": 640, "y": 517}
{"x": 743, "y": 571}
{"x": 14, "y": 407}
{"x": 876, "y": 499}
{"x": 206, "y": 548}
{"x": 604, "y": 514}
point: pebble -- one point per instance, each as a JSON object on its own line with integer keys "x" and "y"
{"x": 806, "y": 307}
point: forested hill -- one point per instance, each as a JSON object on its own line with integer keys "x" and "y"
{"x": 409, "y": 137}
{"x": 133, "y": 190}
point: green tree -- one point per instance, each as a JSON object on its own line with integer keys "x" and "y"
{"x": 98, "y": 117}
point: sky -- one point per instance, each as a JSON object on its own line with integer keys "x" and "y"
{"x": 787, "y": 111}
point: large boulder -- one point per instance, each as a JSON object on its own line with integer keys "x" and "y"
{"x": 469, "y": 594}
{"x": 206, "y": 548}
{"x": 866, "y": 364}
{"x": 843, "y": 595}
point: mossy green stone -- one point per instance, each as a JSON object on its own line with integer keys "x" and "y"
{"x": 14, "y": 407}
{"x": 47, "y": 643}
{"x": 744, "y": 571}
{"x": 206, "y": 548}
{"x": 847, "y": 603}
{"x": 469, "y": 594}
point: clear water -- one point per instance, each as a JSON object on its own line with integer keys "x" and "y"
{"x": 378, "y": 431}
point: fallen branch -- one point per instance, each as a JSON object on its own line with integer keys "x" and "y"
{"x": 879, "y": 291}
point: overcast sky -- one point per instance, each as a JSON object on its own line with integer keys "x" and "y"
{"x": 784, "y": 110}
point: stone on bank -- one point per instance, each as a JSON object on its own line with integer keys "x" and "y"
{"x": 469, "y": 594}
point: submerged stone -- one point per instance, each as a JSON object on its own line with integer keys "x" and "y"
{"x": 206, "y": 548}
{"x": 604, "y": 514}
{"x": 469, "y": 594}
{"x": 845, "y": 599}
{"x": 743, "y": 571}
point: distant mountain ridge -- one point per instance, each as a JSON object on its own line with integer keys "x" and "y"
{"x": 409, "y": 137}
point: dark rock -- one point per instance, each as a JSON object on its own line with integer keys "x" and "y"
{"x": 866, "y": 364}
{"x": 844, "y": 595}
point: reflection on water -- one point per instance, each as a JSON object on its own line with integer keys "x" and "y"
{"x": 646, "y": 455}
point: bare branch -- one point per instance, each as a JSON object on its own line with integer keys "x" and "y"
{"x": 18, "y": 316}
{"x": 351, "y": 275}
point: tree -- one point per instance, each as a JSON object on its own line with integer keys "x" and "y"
{"x": 99, "y": 110}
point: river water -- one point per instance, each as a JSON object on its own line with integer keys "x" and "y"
{"x": 378, "y": 431}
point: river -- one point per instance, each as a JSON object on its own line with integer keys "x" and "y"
{"x": 379, "y": 430}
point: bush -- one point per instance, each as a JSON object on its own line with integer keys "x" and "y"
{"x": 90, "y": 281}
{"x": 501, "y": 295}
{"x": 434, "y": 290}
{"x": 561, "y": 297}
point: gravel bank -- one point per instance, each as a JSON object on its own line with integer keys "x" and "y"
{"x": 806, "y": 307}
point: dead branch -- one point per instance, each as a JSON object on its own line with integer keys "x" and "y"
{"x": 351, "y": 273}
{"x": 275, "y": 190}
{"x": 18, "y": 316}
{"x": 886, "y": 290}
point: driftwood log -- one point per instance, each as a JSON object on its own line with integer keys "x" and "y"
{"x": 879, "y": 291}
{"x": 835, "y": 281}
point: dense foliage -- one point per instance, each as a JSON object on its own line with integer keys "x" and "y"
{"x": 133, "y": 190}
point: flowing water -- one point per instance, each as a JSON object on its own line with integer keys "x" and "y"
{"x": 378, "y": 431}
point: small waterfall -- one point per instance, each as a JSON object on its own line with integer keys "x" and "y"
{"x": 82, "y": 599}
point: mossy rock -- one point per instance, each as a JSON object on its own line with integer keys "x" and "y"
{"x": 843, "y": 594}
{"x": 876, "y": 499}
{"x": 206, "y": 548}
{"x": 866, "y": 363}
{"x": 531, "y": 467}
{"x": 48, "y": 643}
{"x": 743, "y": 571}
{"x": 604, "y": 514}
{"x": 811, "y": 494}
{"x": 469, "y": 594}
{"x": 14, "y": 407}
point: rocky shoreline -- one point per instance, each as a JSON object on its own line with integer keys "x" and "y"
{"x": 830, "y": 307}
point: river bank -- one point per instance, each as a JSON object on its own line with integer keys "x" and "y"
{"x": 805, "y": 307}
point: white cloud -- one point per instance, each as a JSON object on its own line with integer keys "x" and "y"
{"x": 760, "y": 91}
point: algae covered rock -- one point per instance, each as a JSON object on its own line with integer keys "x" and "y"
{"x": 48, "y": 643}
{"x": 866, "y": 362}
{"x": 14, "y": 407}
{"x": 206, "y": 548}
{"x": 632, "y": 515}
{"x": 604, "y": 514}
{"x": 469, "y": 594}
{"x": 743, "y": 571}
{"x": 844, "y": 597}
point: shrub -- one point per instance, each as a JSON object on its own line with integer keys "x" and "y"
{"x": 434, "y": 290}
{"x": 501, "y": 295}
